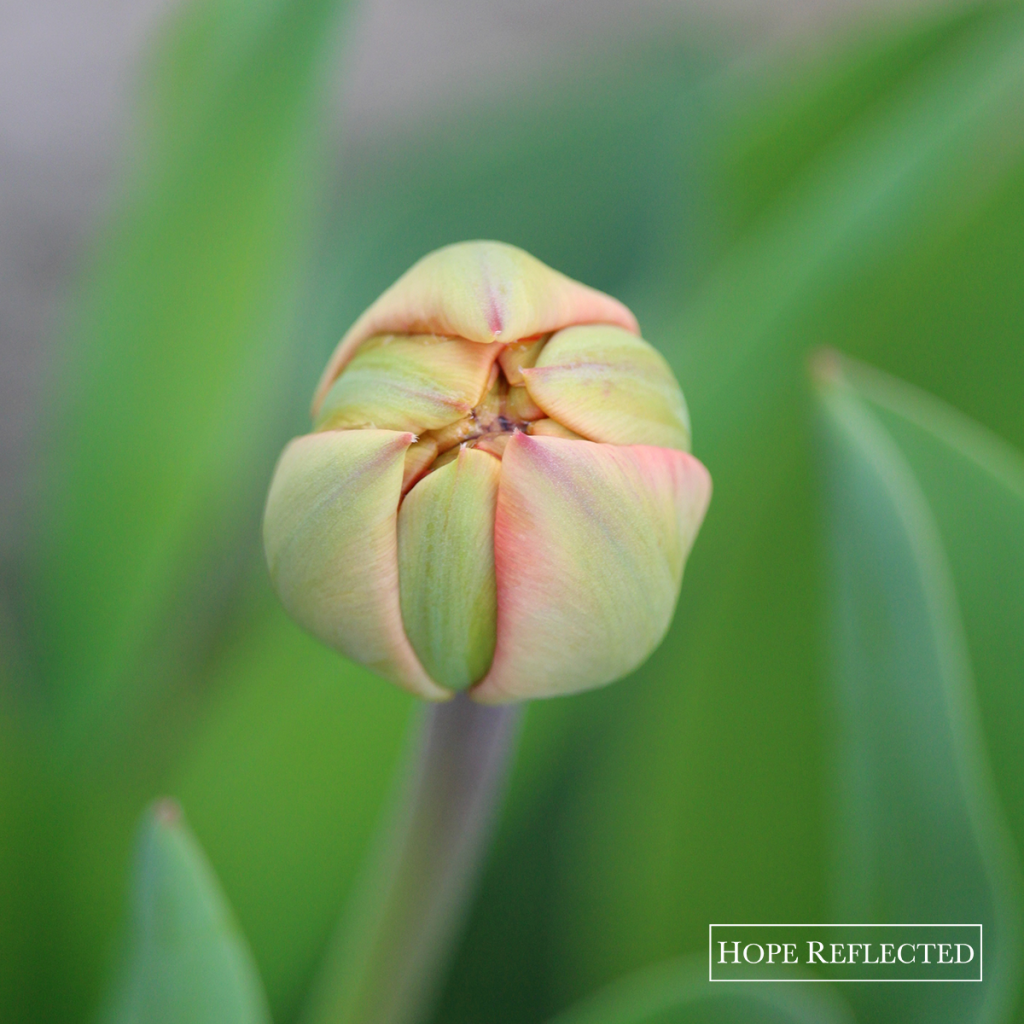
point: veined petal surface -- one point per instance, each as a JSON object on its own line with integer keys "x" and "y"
{"x": 610, "y": 385}
{"x": 480, "y": 291}
{"x": 518, "y": 356}
{"x": 330, "y": 536}
{"x": 552, "y": 428}
{"x": 590, "y": 544}
{"x": 408, "y": 382}
{"x": 446, "y": 568}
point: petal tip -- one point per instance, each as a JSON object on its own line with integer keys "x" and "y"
{"x": 482, "y": 291}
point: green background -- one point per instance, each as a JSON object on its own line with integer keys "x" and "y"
{"x": 831, "y": 730}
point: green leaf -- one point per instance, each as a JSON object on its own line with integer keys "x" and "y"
{"x": 901, "y": 171}
{"x": 974, "y": 483}
{"x": 921, "y": 835}
{"x": 832, "y": 87}
{"x": 13, "y": 826}
{"x": 188, "y": 963}
{"x": 286, "y": 777}
{"x": 679, "y": 992}
{"x": 167, "y": 410}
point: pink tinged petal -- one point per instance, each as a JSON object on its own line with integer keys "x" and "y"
{"x": 417, "y": 383}
{"x": 446, "y": 568}
{"x": 480, "y": 291}
{"x": 590, "y": 544}
{"x": 330, "y": 535}
{"x": 610, "y": 385}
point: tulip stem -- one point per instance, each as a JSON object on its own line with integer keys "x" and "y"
{"x": 389, "y": 960}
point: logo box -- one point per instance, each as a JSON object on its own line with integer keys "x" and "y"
{"x": 845, "y": 952}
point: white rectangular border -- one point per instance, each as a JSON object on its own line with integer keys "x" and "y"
{"x": 840, "y": 981}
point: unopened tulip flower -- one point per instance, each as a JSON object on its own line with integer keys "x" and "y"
{"x": 497, "y": 494}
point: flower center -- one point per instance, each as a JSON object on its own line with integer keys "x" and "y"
{"x": 501, "y": 412}
{"x": 505, "y": 409}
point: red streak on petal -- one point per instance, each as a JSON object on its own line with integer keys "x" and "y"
{"x": 495, "y": 321}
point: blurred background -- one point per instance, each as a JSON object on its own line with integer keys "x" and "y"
{"x": 199, "y": 197}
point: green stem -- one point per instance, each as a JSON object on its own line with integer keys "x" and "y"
{"x": 388, "y": 962}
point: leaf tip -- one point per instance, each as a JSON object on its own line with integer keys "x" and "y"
{"x": 825, "y": 367}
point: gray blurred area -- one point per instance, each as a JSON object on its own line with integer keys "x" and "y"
{"x": 67, "y": 69}
{"x": 65, "y": 81}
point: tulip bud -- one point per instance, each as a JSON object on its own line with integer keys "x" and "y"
{"x": 497, "y": 494}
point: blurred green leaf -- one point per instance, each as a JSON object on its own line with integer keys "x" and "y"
{"x": 974, "y": 483}
{"x": 12, "y": 814}
{"x": 187, "y": 961}
{"x": 680, "y": 993}
{"x": 286, "y": 777}
{"x": 824, "y": 89}
{"x": 166, "y": 411}
{"x": 921, "y": 834}
{"x": 903, "y": 169}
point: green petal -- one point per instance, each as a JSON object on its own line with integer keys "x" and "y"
{"x": 418, "y": 382}
{"x": 446, "y": 568}
{"x": 610, "y": 385}
{"x": 329, "y": 531}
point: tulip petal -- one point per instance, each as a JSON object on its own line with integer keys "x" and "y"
{"x": 418, "y": 459}
{"x": 399, "y": 382}
{"x": 520, "y": 406}
{"x": 610, "y": 385}
{"x": 446, "y": 568}
{"x": 330, "y": 534}
{"x": 480, "y": 291}
{"x": 552, "y": 428}
{"x": 590, "y": 544}
{"x": 518, "y": 356}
